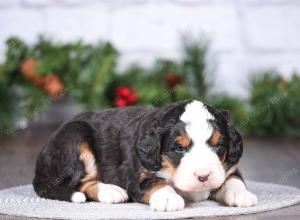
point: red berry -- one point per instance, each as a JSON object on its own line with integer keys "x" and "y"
{"x": 123, "y": 92}
{"x": 120, "y": 103}
{"x": 131, "y": 99}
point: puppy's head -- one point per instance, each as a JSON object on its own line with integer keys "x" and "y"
{"x": 191, "y": 145}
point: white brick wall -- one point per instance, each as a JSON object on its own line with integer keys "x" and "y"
{"x": 247, "y": 35}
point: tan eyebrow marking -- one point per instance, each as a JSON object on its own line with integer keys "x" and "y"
{"x": 215, "y": 138}
{"x": 183, "y": 140}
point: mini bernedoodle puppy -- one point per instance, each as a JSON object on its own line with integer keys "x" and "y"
{"x": 163, "y": 157}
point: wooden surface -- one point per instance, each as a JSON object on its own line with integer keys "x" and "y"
{"x": 276, "y": 161}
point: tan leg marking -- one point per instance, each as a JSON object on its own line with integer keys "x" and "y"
{"x": 89, "y": 183}
{"x": 153, "y": 188}
{"x": 92, "y": 191}
{"x": 88, "y": 159}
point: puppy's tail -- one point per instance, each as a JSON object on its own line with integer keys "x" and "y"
{"x": 57, "y": 192}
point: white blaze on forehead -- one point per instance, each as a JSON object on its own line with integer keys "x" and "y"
{"x": 196, "y": 116}
{"x": 201, "y": 158}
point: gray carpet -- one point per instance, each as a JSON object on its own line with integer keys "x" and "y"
{"x": 22, "y": 201}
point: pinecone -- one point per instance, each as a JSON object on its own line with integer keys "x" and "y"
{"x": 172, "y": 80}
{"x": 53, "y": 86}
{"x": 28, "y": 69}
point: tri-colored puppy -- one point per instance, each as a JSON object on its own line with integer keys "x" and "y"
{"x": 163, "y": 157}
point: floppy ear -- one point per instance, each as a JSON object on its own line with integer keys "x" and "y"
{"x": 235, "y": 148}
{"x": 149, "y": 149}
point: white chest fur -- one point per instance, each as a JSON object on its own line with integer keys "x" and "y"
{"x": 200, "y": 196}
{"x": 195, "y": 196}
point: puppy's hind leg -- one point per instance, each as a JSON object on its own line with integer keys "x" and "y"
{"x": 107, "y": 193}
{"x": 59, "y": 171}
{"x": 90, "y": 184}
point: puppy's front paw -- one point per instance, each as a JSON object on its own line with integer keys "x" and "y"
{"x": 110, "y": 193}
{"x": 166, "y": 199}
{"x": 240, "y": 198}
{"x": 235, "y": 193}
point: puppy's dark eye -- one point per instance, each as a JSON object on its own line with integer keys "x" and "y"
{"x": 180, "y": 150}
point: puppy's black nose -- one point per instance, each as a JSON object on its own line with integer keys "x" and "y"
{"x": 203, "y": 178}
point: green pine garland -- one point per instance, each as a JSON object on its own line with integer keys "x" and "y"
{"x": 91, "y": 80}
{"x": 89, "y": 76}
